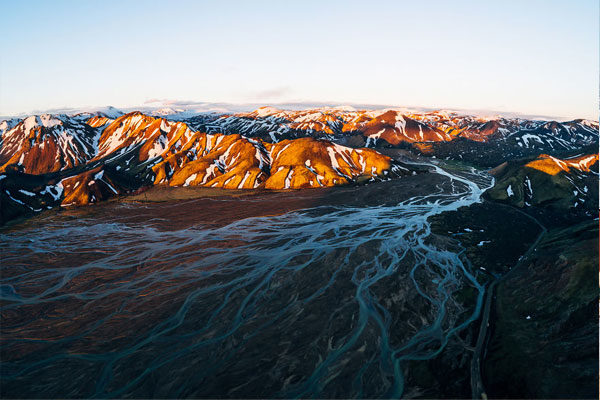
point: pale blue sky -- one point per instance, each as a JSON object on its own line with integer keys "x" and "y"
{"x": 535, "y": 57}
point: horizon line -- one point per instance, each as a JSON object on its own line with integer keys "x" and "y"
{"x": 295, "y": 105}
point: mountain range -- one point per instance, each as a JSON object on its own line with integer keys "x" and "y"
{"x": 66, "y": 160}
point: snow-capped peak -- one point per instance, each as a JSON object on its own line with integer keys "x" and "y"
{"x": 167, "y": 111}
{"x": 45, "y": 120}
{"x": 266, "y": 111}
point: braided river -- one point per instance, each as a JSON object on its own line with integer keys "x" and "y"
{"x": 321, "y": 300}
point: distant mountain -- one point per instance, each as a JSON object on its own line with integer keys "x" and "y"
{"x": 108, "y": 112}
{"x": 483, "y": 141}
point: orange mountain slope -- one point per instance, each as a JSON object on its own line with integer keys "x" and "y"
{"x": 46, "y": 143}
{"x": 552, "y": 165}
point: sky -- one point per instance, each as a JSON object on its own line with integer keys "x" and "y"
{"x": 532, "y": 57}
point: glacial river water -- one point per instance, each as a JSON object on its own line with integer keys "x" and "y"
{"x": 326, "y": 301}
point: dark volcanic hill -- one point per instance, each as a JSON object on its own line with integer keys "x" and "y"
{"x": 569, "y": 184}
